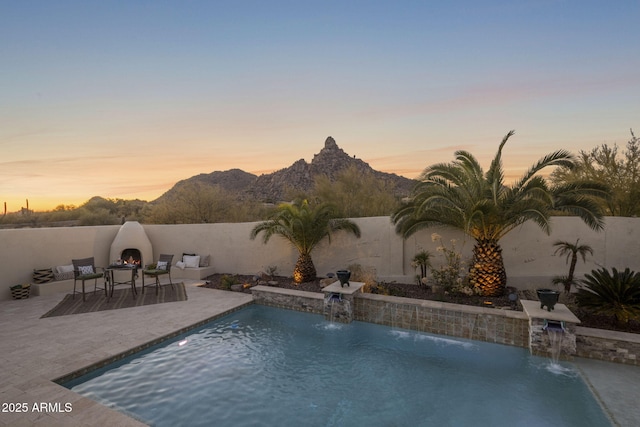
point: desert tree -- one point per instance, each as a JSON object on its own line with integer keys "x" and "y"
{"x": 619, "y": 171}
{"x": 356, "y": 193}
{"x": 198, "y": 203}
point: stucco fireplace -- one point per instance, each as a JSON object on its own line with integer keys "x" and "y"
{"x": 131, "y": 244}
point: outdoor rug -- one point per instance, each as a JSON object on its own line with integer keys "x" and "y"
{"x": 121, "y": 299}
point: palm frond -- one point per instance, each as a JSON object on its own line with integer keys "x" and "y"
{"x": 303, "y": 225}
{"x": 560, "y": 158}
{"x": 495, "y": 174}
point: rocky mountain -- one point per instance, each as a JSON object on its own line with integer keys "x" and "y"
{"x": 300, "y": 176}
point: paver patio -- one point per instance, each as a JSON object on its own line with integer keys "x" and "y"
{"x": 35, "y": 351}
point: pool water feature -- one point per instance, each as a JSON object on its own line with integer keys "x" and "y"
{"x": 269, "y": 366}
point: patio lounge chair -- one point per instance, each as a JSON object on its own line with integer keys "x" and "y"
{"x": 162, "y": 267}
{"x": 85, "y": 269}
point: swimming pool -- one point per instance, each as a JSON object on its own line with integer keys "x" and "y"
{"x": 263, "y": 366}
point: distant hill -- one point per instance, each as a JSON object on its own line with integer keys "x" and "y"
{"x": 300, "y": 176}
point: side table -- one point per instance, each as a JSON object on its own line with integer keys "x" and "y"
{"x": 110, "y": 277}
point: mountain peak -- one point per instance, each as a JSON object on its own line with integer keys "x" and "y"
{"x": 331, "y": 156}
{"x": 300, "y": 176}
{"x": 330, "y": 144}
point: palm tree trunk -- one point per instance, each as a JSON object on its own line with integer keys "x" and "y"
{"x": 304, "y": 270}
{"x": 487, "y": 271}
{"x": 572, "y": 270}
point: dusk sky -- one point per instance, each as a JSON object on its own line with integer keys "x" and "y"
{"x": 122, "y": 99}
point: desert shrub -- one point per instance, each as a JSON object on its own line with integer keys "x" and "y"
{"x": 378, "y": 289}
{"x": 450, "y": 275}
{"x": 356, "y": 193}
{"x": 228, "y": 280}
{"x": 272, "y": 271}
{"x": 97, "y": 216}
{"x": 614, "y": 293}
{"x": 366, "y": 275}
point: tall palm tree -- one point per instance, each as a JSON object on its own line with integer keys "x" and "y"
{"x": 304, "y": 226}
{"x": 571, "y": 250}
{"x": 461, "y": 195}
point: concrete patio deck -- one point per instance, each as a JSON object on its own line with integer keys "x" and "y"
{"x": 35, "y": 351}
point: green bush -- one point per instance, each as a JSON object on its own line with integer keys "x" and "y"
{"x": 615, "y": 294}
{"x": 227, "y": 281}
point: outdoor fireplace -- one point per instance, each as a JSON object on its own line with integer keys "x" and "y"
{"x": 131, "y": 242}
{"x": 131, "y": 256}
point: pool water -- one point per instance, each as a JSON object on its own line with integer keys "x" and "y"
{"x": 263, "y": 366}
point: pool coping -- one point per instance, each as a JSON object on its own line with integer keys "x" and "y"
{"x": 159, "y": 340}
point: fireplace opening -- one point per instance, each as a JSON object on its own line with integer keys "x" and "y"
{"x": 131, "y": 256}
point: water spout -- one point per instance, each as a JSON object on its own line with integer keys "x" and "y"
{"x": 555, "y": 330}
{"x": 335, "y": 297}
{"x": 553, "y": 325}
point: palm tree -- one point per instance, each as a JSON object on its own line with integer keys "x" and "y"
{"x": 461, "y": 195}
{"x": 304, "y": 226}
{"x": 571, "y": 250}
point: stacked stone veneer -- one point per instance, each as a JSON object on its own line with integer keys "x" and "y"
{"x": 611, "y": 346}
{"x": 338, "y": 311}
{"x": 309, "y": 302}
{"x": 539, "y": 339}
{"x": 540, "y": 345}
{"x": 477, "y": 323}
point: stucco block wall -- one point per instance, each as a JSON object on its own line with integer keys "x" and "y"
{"x": 527, "y": 251}
{"x": 23, "y": 250}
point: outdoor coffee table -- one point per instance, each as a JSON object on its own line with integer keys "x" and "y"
{"x": 110, "y": 277}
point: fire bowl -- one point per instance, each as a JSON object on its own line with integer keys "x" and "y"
{"x": 343, "y": 276}
{"x": 548, "y": 298}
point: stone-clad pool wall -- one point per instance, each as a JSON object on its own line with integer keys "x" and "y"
{"x": 476, "y": 323}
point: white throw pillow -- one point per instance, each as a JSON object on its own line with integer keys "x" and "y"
{"x": 85, "y": 269}
{"x": 180, "y": 265}
{"x": 65, "y": 268}
{"x": 191, "y": 261}
{"x": 161, "y": 265}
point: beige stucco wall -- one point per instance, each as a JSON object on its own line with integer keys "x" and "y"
{"x": 527, "y": 251}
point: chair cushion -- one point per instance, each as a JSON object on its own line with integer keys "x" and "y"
{"x": 155, "y": 272}
{"x": 90, "y": 276}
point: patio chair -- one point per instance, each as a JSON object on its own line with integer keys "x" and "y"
{"x": 162, "y": 267}
{"x": 85, "y": 269}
